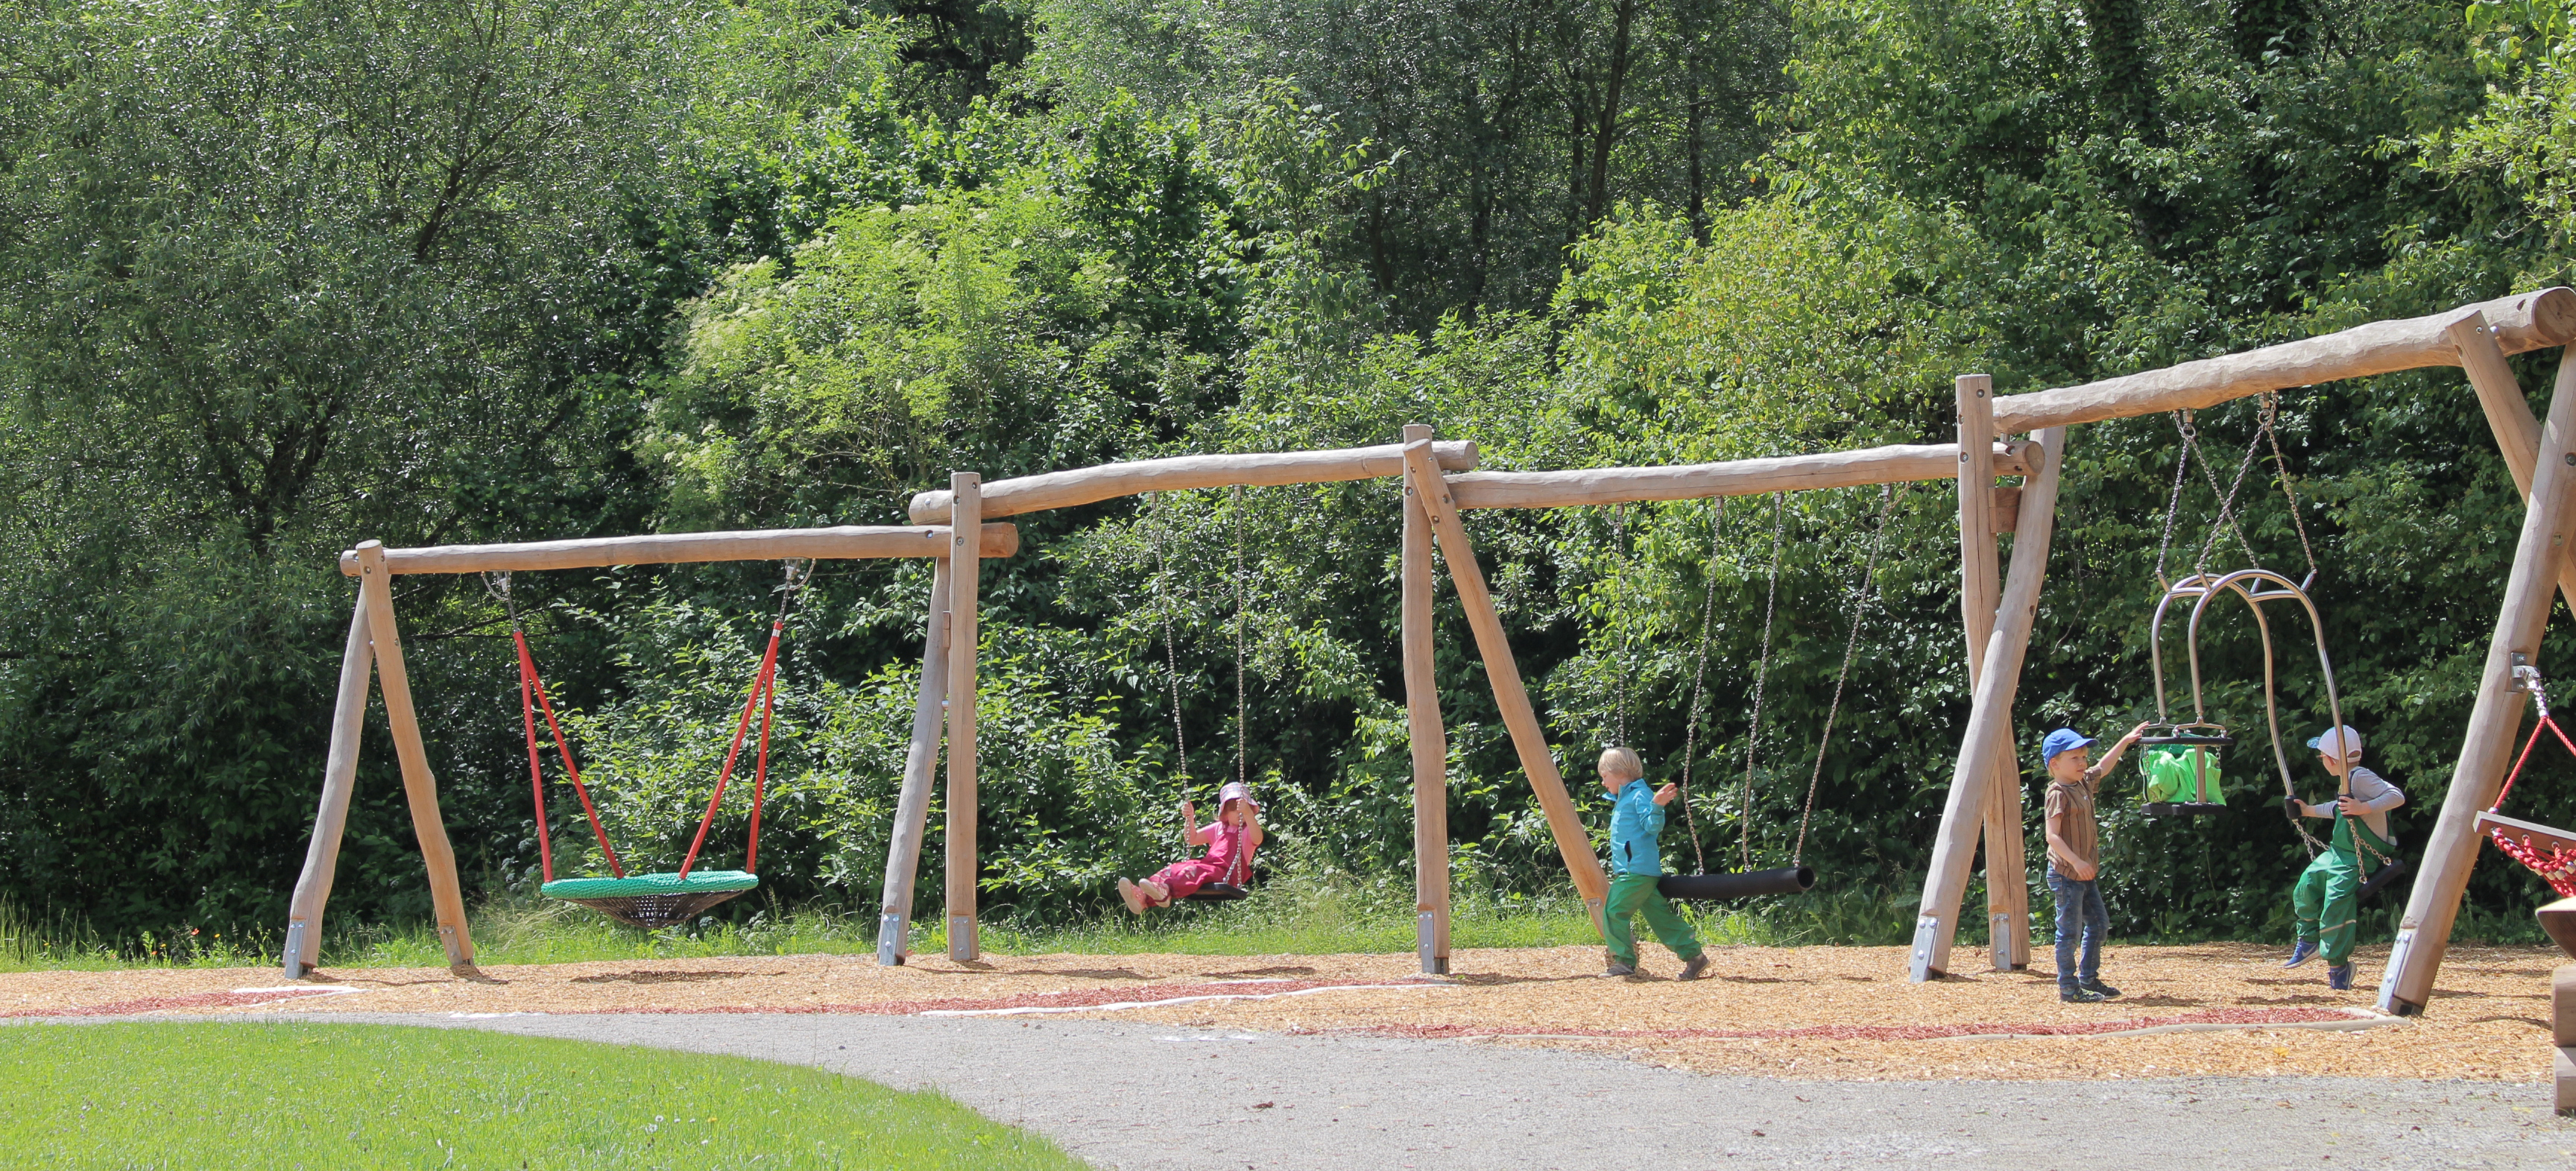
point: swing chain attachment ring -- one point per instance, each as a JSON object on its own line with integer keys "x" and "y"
{"x": 2527, "y": 678}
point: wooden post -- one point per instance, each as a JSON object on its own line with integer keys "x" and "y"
{"x": 1528, "y": 739}
{"x": 1989, "y": 716}
{"x": 1424, "y": 733}
{"x": 2452, "y": 850}
{"x": 1978, "y": 587}
{"x": 339, "y": 779}
{"x": 920, "y": 767}
{"x": 965, "y": 568}
{"x": 2508, "y": 411}
{"x": 420, "y": 786}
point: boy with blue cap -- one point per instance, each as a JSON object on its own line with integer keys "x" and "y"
{"x": 2326, "y": 900}
{"x": 2075, "y": 859}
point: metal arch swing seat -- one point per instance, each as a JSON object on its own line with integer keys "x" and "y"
{"x": 652, "y": 901}
{"x": 2190, "y": 766}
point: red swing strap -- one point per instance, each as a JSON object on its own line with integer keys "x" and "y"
{"x": 532, "y": 698}
{"x": 2554, "y": 865}
{"x": 763, "y": 697}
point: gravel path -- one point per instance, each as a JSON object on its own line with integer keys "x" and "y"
{"x": 1145, "y": 1097}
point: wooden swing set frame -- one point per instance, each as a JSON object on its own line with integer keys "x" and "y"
{"x": 1998, "y": 605}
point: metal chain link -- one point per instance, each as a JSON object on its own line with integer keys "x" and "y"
{"x": 1619, "y": 612}
{"x": 2173, "y": 505}
{"x": 1851, "y": 645}
{"x": 1242, "y": 724}
{"x": 2271, "y": 416}
{"x": 2225, "y": 522}
{"x": 1761, "y": 679}
{"x": 1171, "y": 655}
{"x": 1699, "y": 681}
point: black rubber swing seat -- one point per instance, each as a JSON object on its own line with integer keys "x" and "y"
{"x": 1216, "y": 892}
{"x": 652, "y": 901}
{"x": 2183, "y": 808}
{"x": 1742, "y": 884}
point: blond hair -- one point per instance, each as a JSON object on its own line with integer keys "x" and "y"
{"x": 1621, "y": 761}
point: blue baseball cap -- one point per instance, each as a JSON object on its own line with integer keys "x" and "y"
{"x": 2061, "y": 740}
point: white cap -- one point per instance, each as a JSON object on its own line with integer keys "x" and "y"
{"x": 2342, "y": 740}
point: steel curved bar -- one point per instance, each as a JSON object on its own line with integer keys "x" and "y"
{"x": 2156, "y": 652}
{"x": 2234, "y": 582}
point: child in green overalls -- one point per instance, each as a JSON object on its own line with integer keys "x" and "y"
{"x": 1636, "y": 865}
{"x": 2326, "y": 900}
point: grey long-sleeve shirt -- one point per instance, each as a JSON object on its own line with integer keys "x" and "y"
{"x": 2375, "y": 794}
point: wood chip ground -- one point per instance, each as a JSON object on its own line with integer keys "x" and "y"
{"x": 1815, "y": 1012}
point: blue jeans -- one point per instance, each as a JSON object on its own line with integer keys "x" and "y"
{"x": 2079, "y": 912}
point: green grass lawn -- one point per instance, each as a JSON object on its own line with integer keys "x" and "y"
{"x": 321, "y": 1096}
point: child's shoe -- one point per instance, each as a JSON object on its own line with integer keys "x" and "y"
{"x": 1695, "y": 967}
{"x": 2300, "y": 953}
{"x": 2339, "y": 977}
{"x": 1132, "y": 895}
{"x": 2079, "y": 995}
{"x": 1617, "y": 969}
{"x": 2102, "y": 990}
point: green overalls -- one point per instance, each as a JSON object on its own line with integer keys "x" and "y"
{"x": 2326, "y": 898}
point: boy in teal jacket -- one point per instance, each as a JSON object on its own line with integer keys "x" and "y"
{"x": 1636, "y": 862}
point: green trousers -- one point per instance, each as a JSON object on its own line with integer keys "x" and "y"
{"x": 1631, "y": 893}
{"x": 2325, "y": 902}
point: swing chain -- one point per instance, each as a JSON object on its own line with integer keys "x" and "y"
{"x": 1171, "y": 655}
{"x": 1242, "y": 724}
{"x": 1699, "y": 682}
{"x": 1619, "y": 612}
{"x": 2271, "y": 407}
{"x": 2173, "y": 505}
{"x": 1851, "y": 645}
{"x": 1761, "y": 680}
{"x": 2226, "y": 519}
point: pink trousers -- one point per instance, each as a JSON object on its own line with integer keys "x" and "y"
{"x": 1184, "y": 879}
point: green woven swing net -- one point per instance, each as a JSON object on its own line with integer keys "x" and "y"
{"x": 653, "y": 901}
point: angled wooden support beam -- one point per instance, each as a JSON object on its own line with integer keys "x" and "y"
{"x": 2486, "y": 750}
{"x": 1528, "y": 738}
{"x": 1989, "y": 717}
{"x": 1578, "y": 487}
{"x": 1250, "y": 469}
{"x": 2508, "y": 412}
{"x": 420, "y": 785}
{"x": 339, "y": 782}
{"x": 2521, "y": 322}
{"x": 920, "y": 769}
{"x": 964, "y": 572}
{"x": 1424, "y": 733}
{"x": 842, "y": 543}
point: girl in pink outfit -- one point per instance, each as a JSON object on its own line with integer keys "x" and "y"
{"x": 1230, "y": 841}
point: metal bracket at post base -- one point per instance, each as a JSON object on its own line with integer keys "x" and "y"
{"x": 1600, "y": 918}
{"x": 456, "y": 957}
{"x": 292, "y": 956}
{"x": 1426, "y": 944}
{"x": 2388, "y": 1000}
{"x": 1999, "y": 940}
{"x": 1927, "y": 928}
{"x": 890, "y": 941}
{"x": 961, "y": 939}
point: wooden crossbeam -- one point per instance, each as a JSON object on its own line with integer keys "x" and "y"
{"x": 1249, "y": 469}
{"x": 2521, "y": 322}
{"x": 1577, "y": 487}
{"x": 841, "y": 542}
